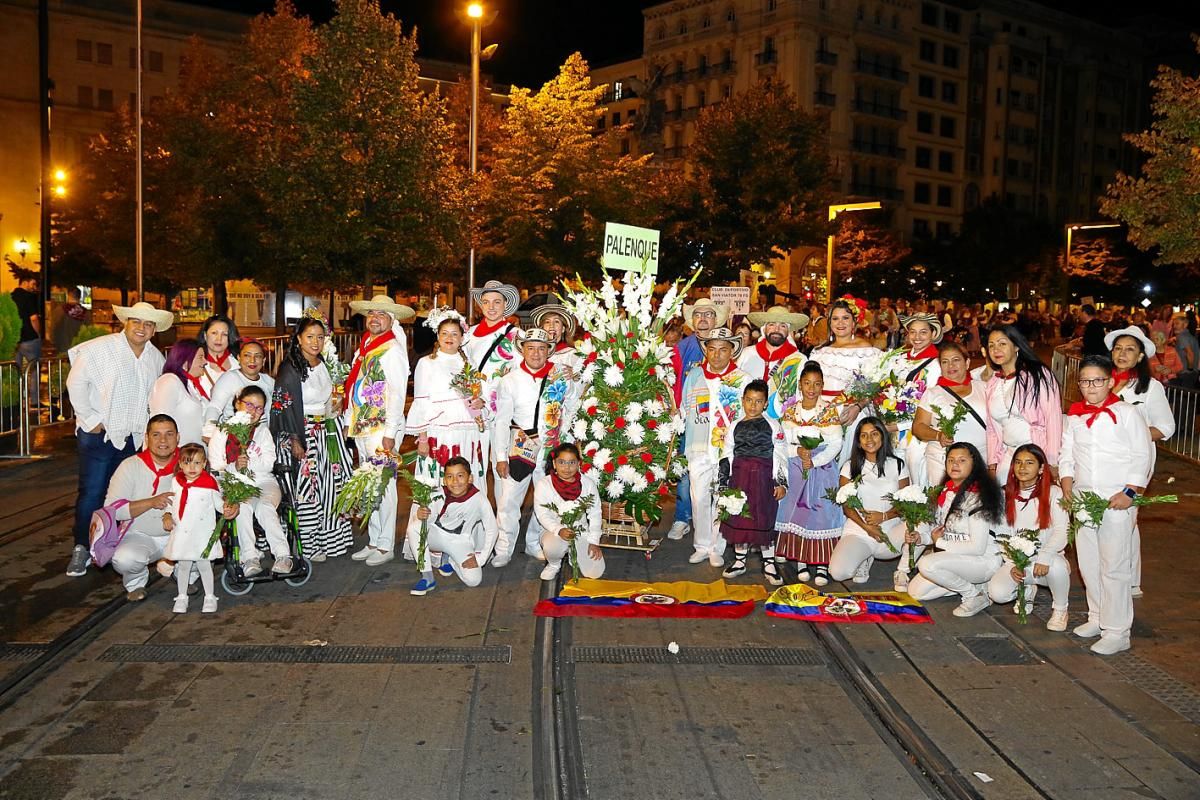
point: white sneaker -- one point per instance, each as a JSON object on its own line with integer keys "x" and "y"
{"x": 678, "y": 530}
{"x": 539, "y": 555}
{"x": 318, "y": 558}
{"x": 251, "y": 568}
{"x": 863, "y": 573}
{"x": 210, "y": 604}
{"x": 282, "y": 566}
{"x": 1058, "y": 621}
{"x": 698, "y": 557}
{"x": 181, "y": 604}
{"x": 1087, "y": 630}
{"x": 973, "y": 605}
{"x": 900, "y": 581}
{"x": 362, "y": 555}
{"x": 550, "y": 572}
{"x": 1137, "y": 591}
{"x": 500, "y": 561}
{"x": 1030, "y": 593}
{"x": 1109, "y": 645}
{"x": 716, "y": 560}
{"x": 378, "y": 557}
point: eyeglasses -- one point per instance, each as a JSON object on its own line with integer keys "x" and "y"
{"x": 1093, "y": 382}
{"x": 252, "y": 406}
{"x": 566, "y": 463}
{"x": 711, "y": 314}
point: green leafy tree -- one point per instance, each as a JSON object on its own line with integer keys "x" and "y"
{"x": 868, "y": 255}
{"x": 762, "y": 172}
{"x": 1162, "y": 205}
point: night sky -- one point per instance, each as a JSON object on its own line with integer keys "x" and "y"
{"x": 536, "y": 36}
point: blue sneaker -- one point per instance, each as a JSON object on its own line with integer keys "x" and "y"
{"x": 423, "y": 587}
{"x": 446, "y": 570}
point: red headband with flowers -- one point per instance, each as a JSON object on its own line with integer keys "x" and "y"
{"x": 857, "y": 303}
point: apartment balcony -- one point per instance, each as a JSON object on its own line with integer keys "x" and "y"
{"x": 827, "y": 57}
{"x": 828, "y": 99}
{"x": 880, "y": 192}
{"x": 886, "y": 149}
{"x": 885, "y": 71}
{"x": 766, "y": 57}
{"x": 880, "y": 110}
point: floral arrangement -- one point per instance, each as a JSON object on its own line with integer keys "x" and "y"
{"x": 426, "y": 490}
{"x": 947, "y": 424}
{"x": 914, "y": 505}
{"x": 847, "y": 497}
{"x": 468, "y": 383}
{"x": 731, "y": 503}
{"x": 626, "y": 425}
{"x": 573, "y": 514}
{"x": 365, "y": 487}
{"x": 240, "y": 426}
{"x": 1087, "y": 509}
{"x": 1020, "y": 548}
{"x": 236, "y": 488}
{"x": 810, "y": 439}
{"x": 897, "y": 401}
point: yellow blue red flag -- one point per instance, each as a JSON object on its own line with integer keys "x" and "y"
{"x": 601, "y": 598}
{"x": 809, "y": 605}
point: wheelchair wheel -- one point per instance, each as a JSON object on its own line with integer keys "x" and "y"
{"x": 303, "y": 577}
{"x": 232, "y": 586}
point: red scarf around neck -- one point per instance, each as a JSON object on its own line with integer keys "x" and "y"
{"x": 471, "y": 491}
{"x": 541, "y": 373}
{"x": 203, "y": 481}
{"x": 713, "y": 375}
{"x": 783, "y": 351}
{"x": 1082, "y": 409}
{"x": 567, "y": 490}
{"x": 218, "y": 362}
{"x": 949, "y": 488}
{"x": 197, "y": 385}
{"x": 367, "y": 344}
{"x": 159, "y": 474}
{"x": 1123, "y": 376}
{"x": 930, "y": 351}
{"x": 484, "y": 328}
{"x": 949, "y": 384}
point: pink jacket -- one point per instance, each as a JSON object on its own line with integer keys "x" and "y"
{"x": 1045, "y": 419}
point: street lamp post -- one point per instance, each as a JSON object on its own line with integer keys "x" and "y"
{"x": 834, "y": 210}
{"x": 475, "y": 14}
{"x": 137, "y": 225}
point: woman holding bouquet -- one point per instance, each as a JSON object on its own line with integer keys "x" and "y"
{"x": 954, "y": 395}
{"x": 916, "y": 368}
{"x": 310, "y": 442}
{"x": 1033, "y": 502}
{"x": 842, "y": 357}
{"x": 968, "y": 508}
{"x": 872, "y": 531}
{"x": 808, "y": 523}
{"x": 1024, "y": 401}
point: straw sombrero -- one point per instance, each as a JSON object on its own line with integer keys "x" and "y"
{"x": 381, "y": 302}
{"x": 778, "y": 314}
{"x": 722, "y": 335}
{"x": 704, "y": 302}
{"x": 144, "y": 311}
{"x": 929, "y": 319}
{"x": 541, "y": 312}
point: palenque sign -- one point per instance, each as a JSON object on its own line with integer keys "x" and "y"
{"x": 630, "y": 249}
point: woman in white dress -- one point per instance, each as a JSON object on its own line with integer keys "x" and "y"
{"x": 915, "y": 365}
{"x": 842, "y": 356}
{"x": 180, "y": 393}
{"x": 1131, "y": 352}
{"x": 954, "y": 388}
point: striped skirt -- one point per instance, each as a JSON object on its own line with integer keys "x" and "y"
{"x": 324, "y": 472}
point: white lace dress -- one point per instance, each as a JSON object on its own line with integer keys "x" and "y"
{"x": 838, "y": 365}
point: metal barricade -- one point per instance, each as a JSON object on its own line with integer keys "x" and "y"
{"x": 1065, "y": 366}
{"x": 1185, "y": 404}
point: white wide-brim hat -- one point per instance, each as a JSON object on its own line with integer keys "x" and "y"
{"x": 144, "y": 311}
{"x": 722, "y": 335}
{"x": 534, "y": 335}
{"x": 778, "y": 314}
{"x": 557, "y": 309}
{"x": 931, "y": 320}
{"x": 512, "y": 298}
{"x": 381, "y": 302}
{"x": 705, "y": 302}
{"x": 1137, "y": 333}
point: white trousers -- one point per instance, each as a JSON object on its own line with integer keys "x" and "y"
{"x": 456, "y": 547}
{"x": 510, "y": 498}
{"x": 916, "y": 454}
{"x": 133, "y": 556}
{"x": 381, "y": 527}
{"x": 935, "y": 463}
{"x": 556, "y": 549}
{"x": 853, "y": 549}
{"x": 1136, "y": 555}
{"x": 706, "y": 538}
{"x": 265, "y": 509}
{"x": 1003, "y": 588}
{"x": 946, "y": 573}
{"x": 1105, "y": 565}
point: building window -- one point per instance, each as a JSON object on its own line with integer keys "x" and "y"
{"x": 949, "y": 92}
{"x": 951, "y": 21}
{"x": 945, "y": 161}
{"x": 924, "y": 122}
{"x": 924, "y": 157}
{"x": 704, "y": 23}
{"x": 682, "y": 25}
{"x": 156, "y": 61}
{"x": 921, "y": 228}
{"x": 103, "y": 53}
{"x": 861, "y": 13}
{"x": 976, "y": 129}
{"x": 996, "y": 167}
{"x": 944, "y": 230}
{"x": 701, "y": 98}
{"x": 104, "y": 99}
{"x": 601, "y": 122}
{"x": 1012, "y": 168}
{"x": 727, "y": 91}
{"x": 948, "y": 127}
{"x": 618, "y": 89}
{"x": 921, "y": 193}
{"x": 771, "y": 4}
{"x": 925, "y": 85}
{"x": 929, "y": 14}
{"x": 83, "y": 49}
{"x": 1014, "y": 98}
{"x": 624, "y": 147}
{"x": 702, "y": 63}
{"x": 616, "y": 118}
{"x": 84, "y": 97}
{"x": 949, "y": 56}
{"x": 661, "y": 33}
{"x": 973, "y": 163}
{"x": 999, "y": 96}
{"x": 730, "y": 15}
{"x": 928, "y": 51}
{"x": 945, "y": 196}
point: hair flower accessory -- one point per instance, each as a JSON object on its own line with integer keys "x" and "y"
{"x": 442, "y": 313}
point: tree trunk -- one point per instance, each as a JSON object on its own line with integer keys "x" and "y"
{"x": 368, "y": 284}
{"x": 281, "y": 306}
{"x": 220, "y": 298}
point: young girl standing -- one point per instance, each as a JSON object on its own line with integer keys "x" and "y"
{"x": 809, "y": 524}
{"x": 191, "y": 523}
{"x": 1032, "y": 502}
{"x": 756, "y": 463}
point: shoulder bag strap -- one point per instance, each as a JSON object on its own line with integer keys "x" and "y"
{"x": 492, "y": 349}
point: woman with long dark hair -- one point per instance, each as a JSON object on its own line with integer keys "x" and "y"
{"x": 965, "y": 555}
{"x": 956, "y": 388}
{"x": 307, "y": 426}
{"x": 180, "y": 393}
{"x": 1033, "y": 502}
{"x": 1024, "y": 401}
{"x": 221, "y": 342}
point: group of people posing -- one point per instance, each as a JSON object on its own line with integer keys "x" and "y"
{"x": 493, "y": 398}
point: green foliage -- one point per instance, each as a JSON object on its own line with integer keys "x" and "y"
{"x": 1162, "y": 205}
{"x": 89, "y": 332}
{"x": 869, "y": 256}
{"x": 10, "y": 327}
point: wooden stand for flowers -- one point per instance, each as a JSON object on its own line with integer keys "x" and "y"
{"x": 620, "y": 531}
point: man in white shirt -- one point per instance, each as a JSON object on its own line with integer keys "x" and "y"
{"x": 109, "y": 385}
{"x": 490, "y": 345}
{"x": 252, "y": 357}
{"x": 775, "y": 357}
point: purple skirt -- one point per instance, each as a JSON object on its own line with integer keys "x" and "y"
{"x": 755, "y": 477}
{"x": 808, "y": 523}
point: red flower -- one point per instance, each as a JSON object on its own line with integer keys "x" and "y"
{"x": 585, "y": 468}
{"x": 651, "y": 424}
{"x": 590, "y": 358}
{"x": 629, "y": 335}
{"x": 649, "y": 476}
{"x": 652, "y": 372}
{"x": 662, "y": 490}
{"x": 647, "y": 458}
{"x": 658, "y": 397}
{"x": 634, "y": 355}
{"x": 609, "y": 468}
{"x": 591, "y": 453}
{"x": 620, "y": 365}
{"x": 612, "y": 406}
{"x": 612, "y": 340}
{"x": 622, "y": 460}
{"x": 591, "y": 412}
{"x": 587, "y": 335}
{"x": 619, "y": 423}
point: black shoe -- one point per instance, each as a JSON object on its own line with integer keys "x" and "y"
{"x": 737, "y": 568}
{"x": 771, "y": 572}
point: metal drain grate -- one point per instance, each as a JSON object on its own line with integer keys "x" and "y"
{"x": 997, "y": 651}
{"x": 732, "y": 656}
{"x": 293, "y": 654}
{"x": 22, "y": 652}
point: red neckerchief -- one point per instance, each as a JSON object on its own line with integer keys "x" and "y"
{"x": 713, "y": 375}
{"x": 1080, "y": 409}
{"x": 1123, "y": 375}
{"x": 930, "y": 351}
{"x": 451, "y": 500}
{"x": 367, "y": 344}
{"x": 558, "y": 348}
{"x": 218, "y": 362}
{"x": 948, "y": 488}
{"x": 203, "y": 481}
{"x": 1033, "y": 493}
{"x": 541, "y": 373}
{"x": 483, "y": 328}
{"x": 1004, "y": 377}
{"x": 169, "y": 469}
{"x": 783, "y": 351}
{"x": 949, "y": 384}
{"x": 567, "y": 490}
{"x": 197, "y": 385}
{"x": 233, "y": 448}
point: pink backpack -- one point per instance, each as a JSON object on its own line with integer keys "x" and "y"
{"x": 107, "y": 531}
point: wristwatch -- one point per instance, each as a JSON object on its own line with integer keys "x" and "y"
{"x": 1130, "y": 493}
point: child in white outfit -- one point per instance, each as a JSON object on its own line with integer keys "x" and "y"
{"x": 191, "y": 522}
{"x": 452, "y": 530}
{"x": 565, "y": 484}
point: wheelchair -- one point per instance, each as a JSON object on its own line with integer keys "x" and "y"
{"x": 234, "y": 580}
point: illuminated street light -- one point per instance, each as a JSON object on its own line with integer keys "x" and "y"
{"x": 22, "y": 247}
{"x": 1146, "y": 288}
{"x": 475, "y": 14}
{"x": 60, "y": 175}
{"x": 475, "y": 11}
{"x": 834, "y": 210}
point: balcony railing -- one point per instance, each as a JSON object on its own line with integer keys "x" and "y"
{"x": 766, "y": 57}
{"x": 880, "y": 110}
{"x": 827, "y": 58}
{"x": 881, "y": 192}
{"x": 877, "y": 148}
{"x": 879, "y": 70}
{"x": 824, "y": 99}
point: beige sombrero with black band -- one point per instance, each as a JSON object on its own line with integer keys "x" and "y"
{"x": 381, "y": 302}
{"x": 559, "y": 310}
{"x": 721, "y": 310}
{"x": 534, "y": 335}
{"x": 147, "y": 313}
{"x": 722, "y": 335}
{"x": 512, "y": 297}
{"x": 782, "y": 314}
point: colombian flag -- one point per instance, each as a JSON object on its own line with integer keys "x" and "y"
{"x": 601, "y": 598}
{"x": 808, "y": 605}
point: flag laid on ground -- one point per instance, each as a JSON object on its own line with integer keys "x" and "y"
{"x": 808, "y": 605}
{"x": 601, "y": 598}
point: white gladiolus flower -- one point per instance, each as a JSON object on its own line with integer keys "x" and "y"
{"x": 615, "y": 489}
{"x": 635, "y": 433}
{"x": 845, "y": 493}
{"x": 613, "y": 375}
{"x": 627, "y": 473}
{"x": 633, "y": 411}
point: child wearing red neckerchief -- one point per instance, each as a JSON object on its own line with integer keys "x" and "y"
{"x": 191, "y": 521}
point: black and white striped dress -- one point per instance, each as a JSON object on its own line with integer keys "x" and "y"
{"x": 325, "y": 471}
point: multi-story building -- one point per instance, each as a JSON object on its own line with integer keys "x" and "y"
{"x": 933, "y": 105}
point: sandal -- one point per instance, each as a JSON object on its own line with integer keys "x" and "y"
{"x": 737, "y": 568}
{"x": 771, "y": 572}
{"x": 802, "y": 573}
{"x": 822, "y": 577}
